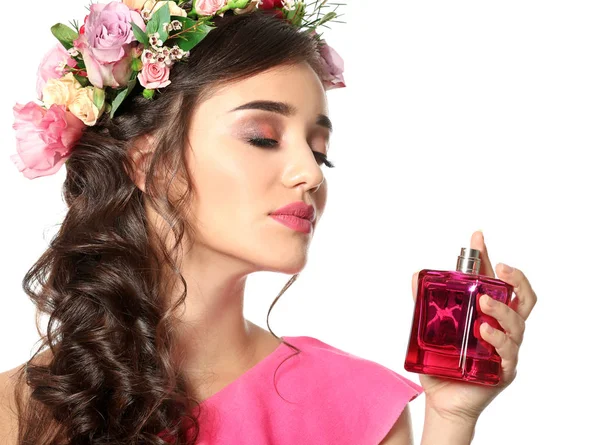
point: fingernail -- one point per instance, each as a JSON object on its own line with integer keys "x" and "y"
{"x": 506, "y": 268}
{"x": 488, "y": 328}
{"x": 486, "y": 299}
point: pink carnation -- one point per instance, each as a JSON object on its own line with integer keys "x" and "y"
{"x": 52, "y": 66}
{"x": 154, "y": 75}
{"x": 44, "y": 138}
{"x": 209, "y": 7}
{"x": 333, "y": 67}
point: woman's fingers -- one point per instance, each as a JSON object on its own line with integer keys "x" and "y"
{"x": 511, "y": 321}
{"x": 477, "y": 242}
{"x": 415, "y": 284}
{"x": 507, "y": 349}
{"x": 526, "y": 298}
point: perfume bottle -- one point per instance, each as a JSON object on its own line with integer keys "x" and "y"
{"x": 445, "y": 340}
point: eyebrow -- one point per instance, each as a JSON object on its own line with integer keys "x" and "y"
{"x": 282, "y": 108}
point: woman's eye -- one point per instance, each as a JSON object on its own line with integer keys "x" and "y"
{"x": 270, "y": 143}
{"x": 263, "y": 142}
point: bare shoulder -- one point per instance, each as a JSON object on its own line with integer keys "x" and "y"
{"x": 401, "y": 432}
{"x": 8, "y": 417}
{"x": 8, "y": 408}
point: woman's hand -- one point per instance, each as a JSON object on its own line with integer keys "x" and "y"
{"x": 452, "y": 398}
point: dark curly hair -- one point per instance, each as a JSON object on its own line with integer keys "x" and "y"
{"x": 112, "y": 378}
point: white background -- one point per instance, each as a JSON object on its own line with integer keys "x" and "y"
{"x": 457, "y": 116}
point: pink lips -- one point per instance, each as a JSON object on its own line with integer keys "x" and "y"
{"x": 297, "y": 215}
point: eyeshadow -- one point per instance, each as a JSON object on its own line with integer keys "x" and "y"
{"x": 264, "y": 127}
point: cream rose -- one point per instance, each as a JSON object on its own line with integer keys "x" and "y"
{"x": 173, "y": 8}
{"x": 136, "y": 4}
{"x": 152, "y": 6}
{"x": 60, "y": 91}
{"x": 82, "y": 106}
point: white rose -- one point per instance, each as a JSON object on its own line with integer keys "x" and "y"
{"x": 152, "y": 6}
{"x": 82, "y": 106}
{"x": 60, "y": 91}
{"x": 137, "y": 4}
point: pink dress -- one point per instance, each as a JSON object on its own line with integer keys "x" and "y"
{"x": 326, "y": 397}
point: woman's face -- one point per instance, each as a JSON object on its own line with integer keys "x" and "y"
{"x": 238, "y": 182}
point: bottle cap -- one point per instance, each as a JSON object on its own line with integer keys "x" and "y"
{"x": 468, "y": 261}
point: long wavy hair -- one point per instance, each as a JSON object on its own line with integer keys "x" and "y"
{"x": 112, "y": 377}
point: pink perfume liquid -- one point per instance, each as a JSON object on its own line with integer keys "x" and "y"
{"x": 445, "y": 339}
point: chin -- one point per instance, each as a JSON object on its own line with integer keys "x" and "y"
{"x": 290, "y": 266}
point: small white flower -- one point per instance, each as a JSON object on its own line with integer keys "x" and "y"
{"x": 155, "y": 40}
{"x": 176, "y": 25}
{"x": 176, "y": 52}
{"x": 148, "y": 56}
{"x": 73, "y": 52}
{"x": 168, "y": 27}
{"x": 146, "y": 14}
{"x": 165, "y": 55}
{"x": 162, "y": 59}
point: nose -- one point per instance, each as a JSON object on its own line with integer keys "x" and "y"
{"x": 303, "y": 170}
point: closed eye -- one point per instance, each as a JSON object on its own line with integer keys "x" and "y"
{"x": 270, "y": 143}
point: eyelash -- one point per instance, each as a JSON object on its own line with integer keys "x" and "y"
{"x": 270, "y": 143}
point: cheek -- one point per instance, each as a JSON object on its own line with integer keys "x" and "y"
{"x": 230, "y": 186}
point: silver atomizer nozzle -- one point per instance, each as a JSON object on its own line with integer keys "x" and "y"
{"x": 468, "y": 261}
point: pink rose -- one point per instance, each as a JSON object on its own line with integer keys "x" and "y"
{"x": 106, "y": 43}
{"x": 333, "y": 67}
{"x": 108, "y": 31}
{"x": 101, "y": 75}
{"x": 51, "y": 66}
{"x": 209, "y": 7}
{"x": 154, "y": 75}
{"x": 44, "y": 138}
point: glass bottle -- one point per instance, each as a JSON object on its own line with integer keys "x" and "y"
{"x": 445, "y": 340}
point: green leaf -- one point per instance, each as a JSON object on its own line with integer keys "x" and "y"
{"x": 99, "y": 96}
{"x": 329, "y": 16}
{"x": 161, "y": 17}
{"x": 296, "y": 15}
{"x": 119, "y": 98}
{"x": 241, "y": 4}
{"x": 192, "y": 33}
{"x": 140, "y": 35}
{"x": 64, "y": 34}
{"x": 82, "y": 80}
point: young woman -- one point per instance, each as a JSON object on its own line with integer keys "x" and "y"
{"x": 173, "y": 200}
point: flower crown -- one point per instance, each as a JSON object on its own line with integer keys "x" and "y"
{"x": 94, "y": 67}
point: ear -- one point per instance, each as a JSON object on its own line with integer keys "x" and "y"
{"x": 140, "y": 153}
